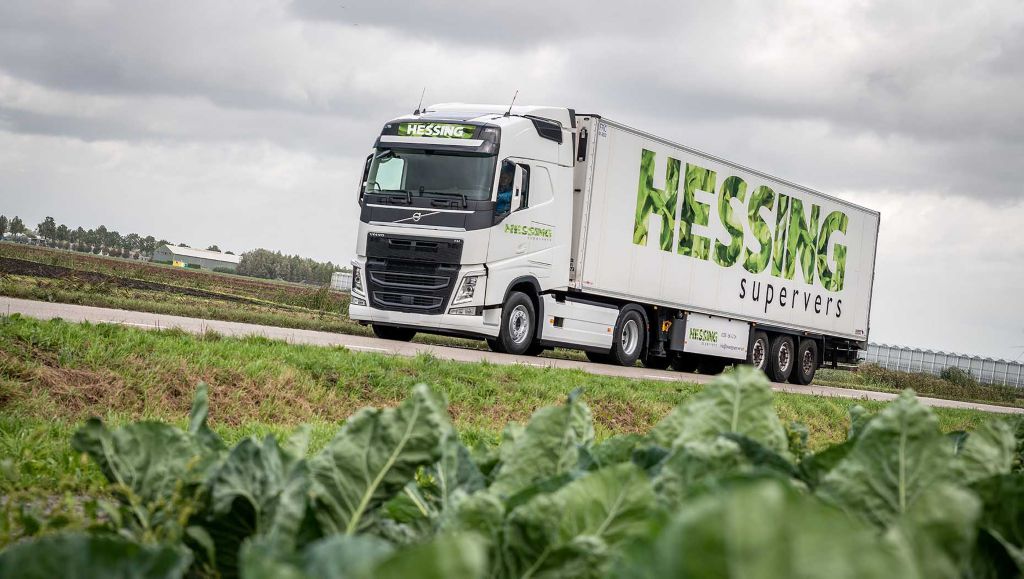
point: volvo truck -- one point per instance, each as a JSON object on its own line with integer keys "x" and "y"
{"x": 536, "y": 227}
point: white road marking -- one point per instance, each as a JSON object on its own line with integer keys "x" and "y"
{"x": 367, "y": 348}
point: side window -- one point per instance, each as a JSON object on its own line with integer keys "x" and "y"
{"x": 506, "y": 180}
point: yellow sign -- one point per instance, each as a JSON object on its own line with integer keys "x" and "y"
{"x": 177, "y": 263}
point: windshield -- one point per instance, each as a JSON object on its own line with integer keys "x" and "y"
{"x": 422, "y": 172}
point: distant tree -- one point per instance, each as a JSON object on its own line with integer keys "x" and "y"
{"x": 182, "y": 245}
{"x": 148, "y": 245}
{"x": 229, "y": 252}
{"x": 4, "y": 224}
{"x": 48, "y": 228}
{"x": 63, "y": 232}
{"x": 213, "y": 248}
{"x": 17, "y": 225}
{"x": 132, "y": 242}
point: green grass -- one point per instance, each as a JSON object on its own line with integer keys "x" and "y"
{"x": 55, "y": 374}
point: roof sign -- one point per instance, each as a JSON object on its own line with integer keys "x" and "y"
{"x": 442, "y": 130}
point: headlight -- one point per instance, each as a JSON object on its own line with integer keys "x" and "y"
{"x": 357, "y": 280}
{"x": 466, "y": 290}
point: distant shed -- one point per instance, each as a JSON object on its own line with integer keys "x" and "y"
{"x": 202, "y": 258}
{"x": 341, "y": 280}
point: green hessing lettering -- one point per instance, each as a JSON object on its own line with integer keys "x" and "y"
{"x": 781, "y": 223}
{"x": 660, "y": 202}
{"x": 801, "y": 240}
{"x": 703, "y": 335}
{"x": 695, "y": 212}
{"x": 757, "y": 262}
{"x": 832, "y": 280}
{"x": 732, "y": 188}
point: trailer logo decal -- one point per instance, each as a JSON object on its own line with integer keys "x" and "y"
{"x": 800, "y": 234}
{"x": 702, "y": 335}
{"x": 443, "y": 130}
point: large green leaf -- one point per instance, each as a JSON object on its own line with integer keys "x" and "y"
{"x": 74, "y": 556}
{"x": 367, "y": 557}
{"x": 151, "y": 459}
{"x": 548, "y": 447}
{"x": 897, "y": 457}
{"x": 940, "y": 529}
{"x": 765, "y": 529}
{"x": 738, "y": 401}
{"x": 697, "y": 464}
{"x": 988, "y": 451}
{"x": 577, "y": 527}
{"x": 258, "y": 489}
{"x": 374, "y": 455}
{"x": 1001, "y": 541}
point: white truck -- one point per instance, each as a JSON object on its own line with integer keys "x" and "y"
{"x": 535, "y": 227}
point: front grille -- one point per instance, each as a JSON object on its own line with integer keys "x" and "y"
{"x": 399, "y": 301}
{"x": 407, "y": 286}
{"x": 394, "y": 279}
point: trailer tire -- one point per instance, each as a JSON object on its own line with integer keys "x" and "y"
{"x": 806, "y": 363}
{"x": 393, "y": 333}
{"x": 758, "y": 354}
{"x": 629, "y": 336}
{"x": 598, "y": 357}
{"x": 518, "y": 324}
{"x": 781, "y": 358}
{"x": 495, "y": 345}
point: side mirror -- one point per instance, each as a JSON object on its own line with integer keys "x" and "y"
{"x": 366, "y": 175}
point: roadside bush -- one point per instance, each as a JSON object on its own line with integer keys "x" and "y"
{"x": 193, "y": 266}
{"x": 929, "y": 385}
{"x": 959, "y": 377}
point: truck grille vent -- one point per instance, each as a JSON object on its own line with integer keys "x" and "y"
{"x": 402, "y": 301}
{"x": 392, "y": 279}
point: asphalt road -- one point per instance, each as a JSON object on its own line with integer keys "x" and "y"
{"x": 76, "y": 313}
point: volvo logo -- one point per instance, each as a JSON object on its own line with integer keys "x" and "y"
{"x": 415, "y": 217}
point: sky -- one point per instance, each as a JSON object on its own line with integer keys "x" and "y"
{"x": 245, "y": 124}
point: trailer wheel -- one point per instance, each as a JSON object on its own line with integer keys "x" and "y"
{"x": 518, "y": 320}
{"x": 495, "y": 345}
{"x": 781, "y": 358}
{"x": 598, "y": 357}
{"x": 628, "y": 336}
{"x": 393, "y": 333}
{"x": 758, "y": 354}
{"x": 683, "y": 362}
{"x": 806, "y": 363}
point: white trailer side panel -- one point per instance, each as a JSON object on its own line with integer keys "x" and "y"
{"x": 614, "y": 257}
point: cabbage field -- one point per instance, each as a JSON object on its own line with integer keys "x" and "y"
{"x": 719, "y": 488}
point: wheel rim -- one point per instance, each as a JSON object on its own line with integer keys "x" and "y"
{"x": 519, "y": 324}
{"x": 808, "y": 362}
{"x": 784, "y": 357}
{"x": 757, "y": 355}
{"x": 630, "y": 337}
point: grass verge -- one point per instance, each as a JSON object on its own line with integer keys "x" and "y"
{"x": 54, "y": 374}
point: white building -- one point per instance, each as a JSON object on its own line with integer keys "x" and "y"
{"x": 341, "y": 280}
{"x": 203, "y": 258}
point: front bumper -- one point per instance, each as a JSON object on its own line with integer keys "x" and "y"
{"x": 485, "y": 326}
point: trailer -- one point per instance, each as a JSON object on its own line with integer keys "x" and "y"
{"x": 536, "y": 227}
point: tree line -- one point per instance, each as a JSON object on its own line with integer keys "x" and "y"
{"x": 262, "y": 263}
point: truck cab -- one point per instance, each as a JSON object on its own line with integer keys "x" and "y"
{"x": 460, "y": 206}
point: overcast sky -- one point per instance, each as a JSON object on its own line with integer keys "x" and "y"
{"x": 244, "y": 123}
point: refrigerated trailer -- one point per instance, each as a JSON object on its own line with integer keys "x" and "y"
{"x": 535, "y": 227}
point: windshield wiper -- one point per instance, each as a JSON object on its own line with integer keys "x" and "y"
{"x": 405, "y": 195}
{"x": 461, "y": 196}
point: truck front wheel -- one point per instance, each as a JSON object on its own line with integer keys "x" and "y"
{"x": 806, "y": 363}
{"x": 628, "y": 337}
{"x": 518, "y": 321}
{"x": 781, "y": 358}
{"x": 393, "y": 333}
